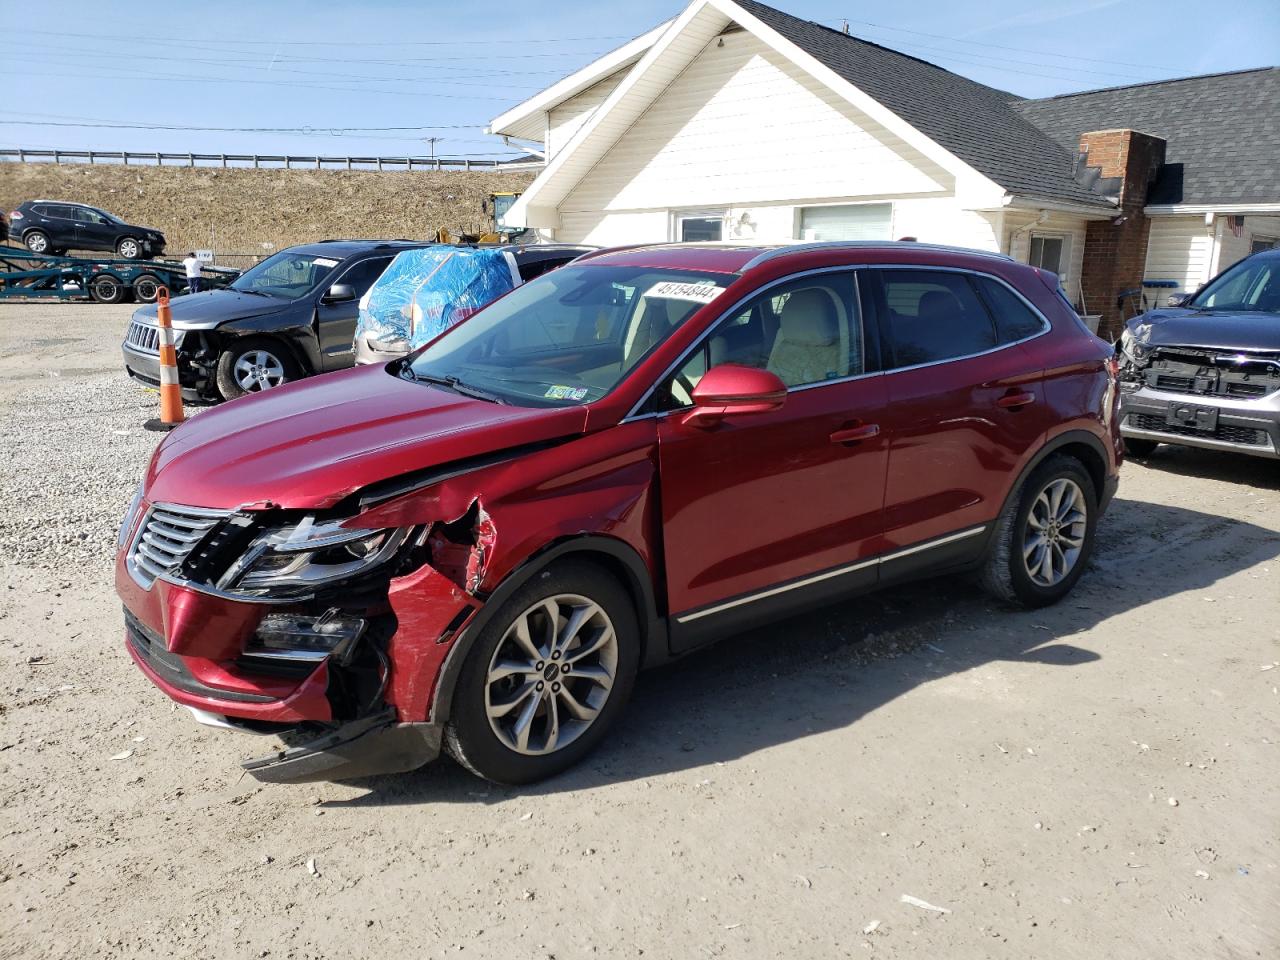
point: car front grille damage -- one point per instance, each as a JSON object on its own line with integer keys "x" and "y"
{"x": 1212, "y": 373}
{"x": 166, "y": 538}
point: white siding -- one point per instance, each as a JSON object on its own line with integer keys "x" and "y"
{"x": 1019, "y": 225}
{"x": 1180, "y": 249}
{"x": 566, "y": 119}
{"x": 740, "y": 127}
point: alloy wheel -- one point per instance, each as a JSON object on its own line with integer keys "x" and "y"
{"x": 551, "y": 675}
{"x": 37, "y": 243}
{"x": 258, "y": 370}
{"x": 129, "y": 249}
{"x": 1055, "y": 532}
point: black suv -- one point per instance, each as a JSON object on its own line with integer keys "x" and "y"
{"x": 54, "y": 227}
{"x": 290, "y": 316}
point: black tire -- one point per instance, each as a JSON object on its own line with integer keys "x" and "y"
{"x": 147, "y": 288}
{"x": 129, "y": 248}
{"x": 37, "y": 241}
{"x": 283, "y": 368}
{"x": 1005, "y": 573}
{"x": 1140, "y": 449}
{"x": 106, "y": 289}
{"x": 469, "y": 735}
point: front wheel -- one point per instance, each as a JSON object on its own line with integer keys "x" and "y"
{"x": 129, "y": 248}
{"x": 1044, "y": 536}
{"x": 546, "y": 677}
{"x": 254, "y": 365}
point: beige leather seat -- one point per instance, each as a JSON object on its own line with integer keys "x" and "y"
{"x": 655, "y": 318}
{"x": 811, "y": 345}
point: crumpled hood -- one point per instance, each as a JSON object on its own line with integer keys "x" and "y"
{"x": 1218, "y": 330}
{"x": 203, "y": 311}
{"x": 312, "y": 443}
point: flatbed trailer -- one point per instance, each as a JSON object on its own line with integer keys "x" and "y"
{"x": 39, "y": 276}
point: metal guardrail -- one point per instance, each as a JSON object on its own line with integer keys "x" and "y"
{"x": 288, "y": 161}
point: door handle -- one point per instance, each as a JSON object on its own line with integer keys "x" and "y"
{"x": 1015, "y": 401}
{"x": 865, "y": 431}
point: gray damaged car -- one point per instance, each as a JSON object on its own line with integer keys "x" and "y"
{"x": 1205, "y": 371}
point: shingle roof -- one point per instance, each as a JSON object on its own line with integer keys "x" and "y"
{"x": 1222, "y": 131}
{"x": 977, "y": 123}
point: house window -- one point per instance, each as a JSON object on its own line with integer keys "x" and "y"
{"x": 1263, "y": 243}
{"x": 854, "y": 221}
{"x": 699, "y": 227}
{"x": 1049, "y": 253}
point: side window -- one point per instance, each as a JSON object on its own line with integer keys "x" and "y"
{"x": 1014, "y": 319}
{"x": 806, "y": 331}
{"x": 933, "y": 315}
{"x": 362, "y": 275}
{"x": 61, "y": 211}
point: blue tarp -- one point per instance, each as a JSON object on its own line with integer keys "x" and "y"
{"x": 425, "y": 292}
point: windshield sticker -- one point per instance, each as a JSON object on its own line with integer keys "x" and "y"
{"x": 565, "y": 393}
{"x": 675, "y": 290}
{"x": 324, "y": 262}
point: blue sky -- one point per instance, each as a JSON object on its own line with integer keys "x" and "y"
{"x": 314, "y": 65}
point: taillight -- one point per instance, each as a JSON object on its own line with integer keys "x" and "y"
{"x": 15, "y": 215}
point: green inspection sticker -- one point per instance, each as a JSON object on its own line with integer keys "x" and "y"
{"x": 559, "y": 392}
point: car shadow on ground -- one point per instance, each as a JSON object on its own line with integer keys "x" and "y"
{"x": 1241, "y": 468}
{"x": 825, "y": 669}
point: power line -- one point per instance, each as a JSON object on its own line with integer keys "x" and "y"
{"x": 118, "y": 125}
{"x": 326, "y": 43}
{"x": 998, "y": 46}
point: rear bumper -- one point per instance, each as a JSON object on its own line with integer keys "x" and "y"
{"x": 1241, "y": 426}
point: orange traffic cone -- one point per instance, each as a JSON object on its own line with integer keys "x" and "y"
{"x": 170, "y": 391}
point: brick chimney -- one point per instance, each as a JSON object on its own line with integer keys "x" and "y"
{"x": 1115, "y": 251}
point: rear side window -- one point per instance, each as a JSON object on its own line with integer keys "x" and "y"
{"x": 362, "y": 275}
{"x": 932, "y": 315}
{"x": 1014, "y": 319}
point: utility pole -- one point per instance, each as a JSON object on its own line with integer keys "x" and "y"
{"x": 431, "y": 142}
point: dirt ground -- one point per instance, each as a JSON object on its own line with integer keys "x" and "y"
{"x": 914, "y": 774}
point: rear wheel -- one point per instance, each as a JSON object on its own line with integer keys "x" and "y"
{"x": 547, "y": 676}
{"x": 253, "y": 365}
{"x": 129, "y": 248}
{"x": 105, "y": 289}
{"x": 1140, "y": 449}
{"x": 147, "y": 288}
{"x": 1044, "y": 536}
{"x": 37, "y": 241}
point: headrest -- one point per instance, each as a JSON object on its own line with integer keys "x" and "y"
{"x": 938, "y": 306}
{"x": 809, "y": 319}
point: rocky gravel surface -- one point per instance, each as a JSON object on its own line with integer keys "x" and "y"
{"x": 915, "y": 774}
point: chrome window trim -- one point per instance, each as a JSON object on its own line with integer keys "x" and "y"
{"x": 1046, "y": 322}
{"x": 632, "y": 414}
{"x": 878, "y": 560}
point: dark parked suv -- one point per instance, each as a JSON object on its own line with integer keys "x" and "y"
{"x": 479, "y": 545}
{"x": 54, "y": 227}
{"x": 290, "y": 316}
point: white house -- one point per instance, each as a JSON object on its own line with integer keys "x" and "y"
{"x": 736, "y": 121}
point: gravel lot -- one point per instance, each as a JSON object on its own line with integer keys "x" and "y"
{"x": 917, "y": 774}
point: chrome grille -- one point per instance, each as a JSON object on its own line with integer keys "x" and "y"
{"x": 143, "y": 338}
{"x": 166, "y": 537}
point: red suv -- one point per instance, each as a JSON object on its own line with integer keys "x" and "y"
{"x": 478, "y": 546}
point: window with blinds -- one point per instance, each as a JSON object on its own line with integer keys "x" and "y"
{"x": 855, "y": 221}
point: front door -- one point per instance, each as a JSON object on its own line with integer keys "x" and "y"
{"x": 336, "y": 322}
{"x": 93, "y": 232}
{"x": 767, "y": 512}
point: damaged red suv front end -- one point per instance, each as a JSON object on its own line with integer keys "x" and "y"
{"x": 284, "y": 615}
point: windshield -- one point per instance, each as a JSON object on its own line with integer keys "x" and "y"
{"x": 1252, "y": 284}
{"x": 570, "y": 336}
{"x": 286, "y": 275}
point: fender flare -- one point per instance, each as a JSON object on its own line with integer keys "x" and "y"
{"x": 1052, "y": 446}
{"x": 653, "y": 626}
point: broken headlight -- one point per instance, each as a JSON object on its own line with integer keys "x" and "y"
{"x": 308, "y": 555}
{"x": 1133, "y": 350}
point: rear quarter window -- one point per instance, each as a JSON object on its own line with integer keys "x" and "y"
{"x": 1014, "y": 319}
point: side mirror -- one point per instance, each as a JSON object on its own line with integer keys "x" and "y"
{"x": 340, "y": 293}
{"x": 1178, "y": 300}
{"x": 731, "y": 390}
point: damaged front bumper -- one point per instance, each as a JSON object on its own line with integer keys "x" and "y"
{"x": 368, "y": 747}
